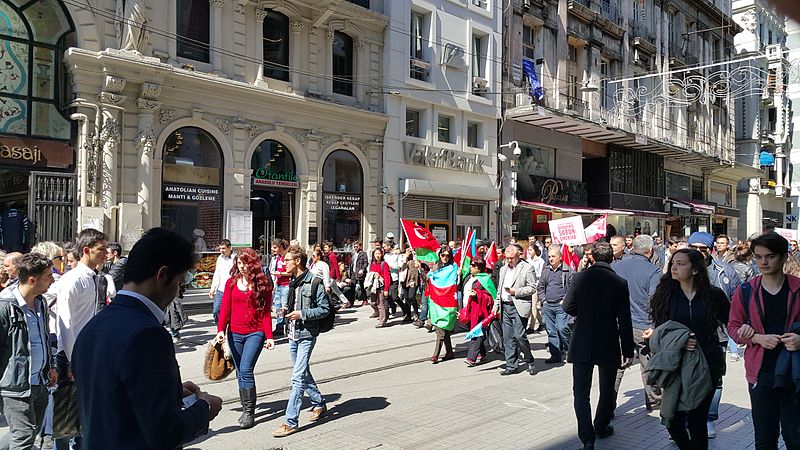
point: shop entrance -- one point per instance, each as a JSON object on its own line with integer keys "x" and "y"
{"x": 273, "y": 216}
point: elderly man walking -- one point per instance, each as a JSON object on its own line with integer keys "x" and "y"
{"x": 516, "y": 285}
{"x": 642, "y": 278}
{"x": 599, "y": 300}
{"x": 551, "y": 291}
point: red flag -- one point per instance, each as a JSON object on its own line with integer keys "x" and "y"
{"x": 568, "y": 258}
{"x": 419, "y": 236}
{"x": 596, "y": 229}
{"x": 491, "y": 257}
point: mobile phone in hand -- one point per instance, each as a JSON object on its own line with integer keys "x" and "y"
{"x": 189, "y": 400}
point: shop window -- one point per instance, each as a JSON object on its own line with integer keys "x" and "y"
{"x": 33, "y": 86}
{"x": 276, "y": 46}
{"x": 444, "y": 131}
{"x": 679, "y": 186}
{"x": 538, "y": 161}
{"x": 273, "y": 189}
{"x": 273, "y": 165}
{"x": 413, "y": 123}
{"x": 721, "y": 194}
{"x": 192, "y": 185}
{"x": 625, "y": 162}
{"x": 342, "y": 198}
{"x": 193, "y": 20}
{"x": 342, "y": 64}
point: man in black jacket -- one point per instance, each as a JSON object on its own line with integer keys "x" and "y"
{"x": 599, "y": 300}
{"x": 130, "y": 394}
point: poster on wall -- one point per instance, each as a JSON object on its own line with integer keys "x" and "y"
{"x": 789, "y": 234}
{"x": 568, "y": 231}
{"x": 239, "y": 228}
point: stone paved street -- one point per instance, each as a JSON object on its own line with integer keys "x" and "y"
{"x": 384, "y": 392}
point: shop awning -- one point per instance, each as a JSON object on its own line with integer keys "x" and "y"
{"x": 413, "y": 186}
{"x": 696, "y": 207}
{"x": 572, "y": 209}
{"x": 641, "y": 213}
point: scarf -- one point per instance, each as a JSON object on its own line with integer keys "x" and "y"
{"x": 294, "y": 283}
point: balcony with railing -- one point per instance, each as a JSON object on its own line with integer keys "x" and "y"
{"x": 573, "y": 105}
{"x": 642, "y": 38}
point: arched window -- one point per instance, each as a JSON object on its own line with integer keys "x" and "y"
{"x": 342, "y": 198}
{"x": 192, "y": 186}
{"x": 342, "y": 64}
{"x": 276, "y": 46}
{"x": 273, "y": 165}
{"x": 193, "y": 17}
{"x": 33, "y": 37}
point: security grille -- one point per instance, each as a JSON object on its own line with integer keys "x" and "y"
{"x": 52, "y": 205}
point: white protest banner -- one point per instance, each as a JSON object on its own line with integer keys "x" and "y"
{"x": 789, "y": 234}
{"x": 567, "y": 231}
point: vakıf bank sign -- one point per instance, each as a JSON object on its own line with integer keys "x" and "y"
{"x": 441, "y": 158}
{"x": 267, "y": 178}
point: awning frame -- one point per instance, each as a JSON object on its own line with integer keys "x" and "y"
{"x": 571, "y": 209}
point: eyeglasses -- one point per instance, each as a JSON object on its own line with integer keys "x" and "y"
{"x": 444, "y": 255}
{"x": 700, "y": 248}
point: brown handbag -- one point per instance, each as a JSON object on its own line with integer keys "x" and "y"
{"x": 216, "y": 366}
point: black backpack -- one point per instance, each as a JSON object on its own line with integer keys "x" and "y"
{"x": 325, "y": 323}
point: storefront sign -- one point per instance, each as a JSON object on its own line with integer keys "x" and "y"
{"x": 568, "y": 231}
{"x": 341, "y": 202}
{"x": 190, "y": 193}
{"x": 551, "y": 190}
{"x": 35, "y": 153}
{"x": 440, "y": 158}
{"x": 265, "y": 177}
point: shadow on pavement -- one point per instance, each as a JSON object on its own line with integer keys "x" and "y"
{"x": 349, "y": 408}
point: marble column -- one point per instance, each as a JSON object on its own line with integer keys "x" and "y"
{"x": 145, "y": 146}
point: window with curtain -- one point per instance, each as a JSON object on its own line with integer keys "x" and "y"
{"x": 417, "y": 33}
{"x": 33, "y": 37}
{"x": 193, "y": 38}
{"x": 342, "y": 64}
{"x": 478, "y": 57}
{"x": 529, "y": 42}
{"x": 276, "y": 46}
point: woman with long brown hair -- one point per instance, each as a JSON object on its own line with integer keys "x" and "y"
{"x": 685, "y": 295}
{"x": 246, "y": 305}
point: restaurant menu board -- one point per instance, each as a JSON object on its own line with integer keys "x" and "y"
{"x": 239, "y": 228}
{"x": 204, "y": 270}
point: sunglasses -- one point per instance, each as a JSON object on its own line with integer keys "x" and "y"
{"x": 700, "y": 248}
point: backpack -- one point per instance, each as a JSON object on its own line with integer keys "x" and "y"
{"x": 325, "y": 323}
{"x": 747, "y": 291}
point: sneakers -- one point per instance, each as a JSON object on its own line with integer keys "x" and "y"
{"x": 316, "y": 413}
{"x": 284, "y": 430}
{"x": 469, "y": 362}
{"x": 711, "y": 426}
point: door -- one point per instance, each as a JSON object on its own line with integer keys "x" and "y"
{"x": 52, "y": 206}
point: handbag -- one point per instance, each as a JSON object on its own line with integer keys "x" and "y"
{"x": 216, "y": 366}
{"x": 494, "y": 336}
{"x": 463, "y": 315}
{"x": 65, "y": 411}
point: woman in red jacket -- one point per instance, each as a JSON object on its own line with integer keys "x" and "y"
{"x": 377, "y": 284}
{"x": 246, "y": 305}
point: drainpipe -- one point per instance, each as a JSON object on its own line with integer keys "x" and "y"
{"x": 84, "y": 138}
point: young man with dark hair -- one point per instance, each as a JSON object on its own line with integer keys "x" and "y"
{"x": 222, "y": 273}
{"x": 302, "y": 315}
{"x": 26, "y": 362}
{"x": 130, "y": 391}
{"x": 115, "y": 266}
{"x": 280, "y": 279}
{"x": 765, "y": 313}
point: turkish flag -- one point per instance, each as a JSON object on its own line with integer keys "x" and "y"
{"x": 596, "y": 229}
{"x": 419, "y": 236}
{"x": 491, "y": 257}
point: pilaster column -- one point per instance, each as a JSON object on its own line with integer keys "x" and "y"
{"x": 260, "y": 15}
{"x": 216, "y": 34}
{"x": 145, "y": 146}
{"x": 110, "y": 137}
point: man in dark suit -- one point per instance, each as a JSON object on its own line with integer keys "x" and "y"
{"x": 129, "y": 385}
{"x": 599, "y": 300}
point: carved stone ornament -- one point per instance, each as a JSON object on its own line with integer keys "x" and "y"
{"x": 313, "y": 32}
{"x": 145, "y": 141}
{"x": 360, "y": 45}
{"x": 238, "y": 8}
{"x": 253, "y": 131}
{"x": 224, "y": 125}
{"x": 111, "y": 99}
{"x": 151, "y": 91}
{"x": 261, "y": 14}
{"x": 166, "y": 115}
{"x": 110, "y": 131}
{"x": 218, "y": 3}
{"x": 147, "y": 105}
{"x": 113, "y": 84}
{"x": 300, "y": 136}
{"x": 329, "y": 35}
{"x": 296, "y": 26}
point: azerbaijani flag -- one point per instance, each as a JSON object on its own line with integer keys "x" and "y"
{"x": 441, "y": 296}
{"x": 468, "y": 252}
{"x": 421, "y": 240}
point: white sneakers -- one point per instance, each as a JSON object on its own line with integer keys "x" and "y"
{"x": 711, "y": 426}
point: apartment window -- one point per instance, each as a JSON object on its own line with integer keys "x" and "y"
{"x": 192, "y": 29}
{"x": 673, "y": 18}
{"x": 573, "y": 53}
{"x": 276, "y": 46}
{"x": 473, "y": 133}
{"x": 721, "y": 194}
{"x": 605, "y": 94}
{"x": 362, "y": 3}
{"x": 443, "y": 129}
{"x": 342, "y": 64}
{"x": 417, "y": 35}
{"x": 572, "y": 89}
{"x": 480, "y": 3}
{"x": 717, "y": 49}
{"x": 769, "y": 37}
{"x": 478, "y": 56}
{"x": 412, "y": 123}
{"x": 529, "y": 42}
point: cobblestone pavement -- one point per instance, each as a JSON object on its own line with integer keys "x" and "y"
{"x": 383, "y": 392}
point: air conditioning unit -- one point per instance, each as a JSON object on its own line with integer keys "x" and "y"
{"x": 522, "y": 99}
{"x": 479, "y": 84}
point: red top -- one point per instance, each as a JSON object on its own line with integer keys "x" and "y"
{"x": 383, "y": 269}
{"x": 280, "y": 266}
{"x": 334, "y": 265}
{"x": 238, "y": 309}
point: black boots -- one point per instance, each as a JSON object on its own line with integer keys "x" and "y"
{"x": 248, "y": 398}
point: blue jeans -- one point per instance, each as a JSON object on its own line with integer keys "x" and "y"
{"x": 733, "y": 348}
{"x": 555, "y": 320}
{"x": 423, "y": 310}
{"x": 279, "y": 298}
{"x": 217, "y": 304}
{"x": 302, "y": 380}
{"x": 245, "y": 351}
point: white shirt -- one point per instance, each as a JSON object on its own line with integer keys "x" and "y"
{"x": 508, "y": 281}
{"x": 538, "y": 264}
{"x": 222, "y": 272}
{"x": 393, "y": 261}
{"x": 157, "y": 312}
{"x": 76, "y": 304}
{"x": 321, "y": 270}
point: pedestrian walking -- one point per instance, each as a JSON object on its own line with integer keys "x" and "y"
{"x": 598, "y": 298}
{"x": 479, "y": 292}
{"x": 551, "y": 289}
{"x": 25, "y": 354}
{"x": 409, "y": 283}
{"x": 304, "y": 310}
{"x": 280, "y": 281}
{"x": 643, "y": 278}
{"x": 377, "y": 284}
{"x": 442, "y": 301}
{"x": 222, "y": 273}
{"x": 742, "y": 263}
{"x": 10, "y": 269}
{"x": 765, "y": 316}
{"x": 130, "y": 393}
{"x": 245, "y": 321}
{"x": 359, "y": 264}
{"x": 687, "y": 311}
{"x": 517, "y": 284}
{"x": 392, "y": 257}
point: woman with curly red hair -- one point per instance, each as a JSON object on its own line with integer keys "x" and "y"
{"x": 245, "y": 312}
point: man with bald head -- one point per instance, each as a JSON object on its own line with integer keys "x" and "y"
{"x": 10, "y": 268}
